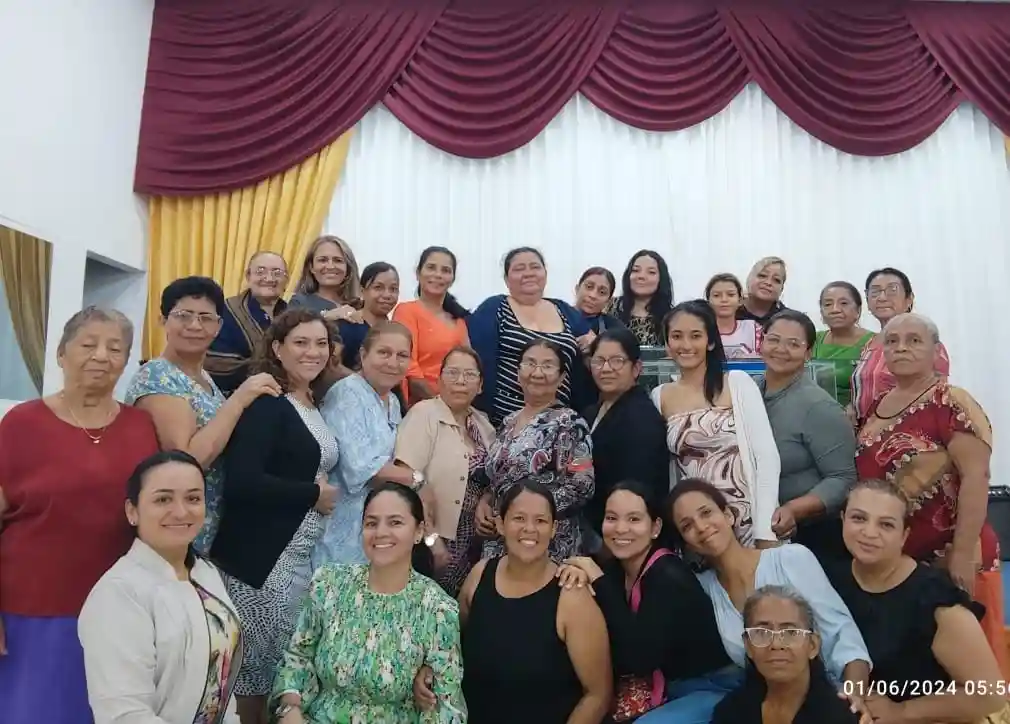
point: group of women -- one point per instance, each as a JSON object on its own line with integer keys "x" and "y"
{"x": 353, "y": 466}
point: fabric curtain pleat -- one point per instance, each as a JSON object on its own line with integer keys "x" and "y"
{"x": 25, "y": 265}
{"x": 215, "y": 235}
{"x": 237, "y": 92}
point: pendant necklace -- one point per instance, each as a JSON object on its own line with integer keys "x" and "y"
{"x": 95, "y": 439}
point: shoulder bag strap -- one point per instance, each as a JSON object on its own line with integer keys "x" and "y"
{"x": 658, "y": 680}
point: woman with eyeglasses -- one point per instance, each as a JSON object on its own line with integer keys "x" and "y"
{"x": 546, "y": 441}
{"x": 245, "y": 319}
{"x": 888, "y": 294}
{"x": 816, "y": 444}
{"x": 786, "y": 681}
{"x": 447, "y": 440}
{"x": 931, "y": 659}
{"x": 629, "y": 435}
{"x": 703, "y": 521}
{"x": 190, "y": 413}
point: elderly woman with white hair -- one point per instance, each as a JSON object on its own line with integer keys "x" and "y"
{"x": 64, "y": 462}
{"x": 934, "y": 441}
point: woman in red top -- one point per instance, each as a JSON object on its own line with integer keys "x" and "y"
{"x": 934, "y": 441}
{"x": 64, "y": 462}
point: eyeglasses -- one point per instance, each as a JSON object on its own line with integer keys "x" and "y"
{"x": 455, "y": 375}
{"x": 890, "y": 290}
{"x": 773, "y": 340}
{"x": 262, "y": 271}
{"x": 764, "y": 637}
{"x": 616, "y": 363}
{"x": 548, "y": 368}
{"x": 187, "y": 317}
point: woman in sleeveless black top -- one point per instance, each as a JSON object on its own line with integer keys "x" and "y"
{"x": 533, "y": 652}
{"x": 931, "y": 659}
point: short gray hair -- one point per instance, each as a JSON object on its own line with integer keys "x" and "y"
{"x": 95, "y": 314}
{"x": 922, "y": 319}
{"x": 783, "y": 593}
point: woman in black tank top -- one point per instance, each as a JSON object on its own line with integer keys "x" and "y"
{"x": 533, "y": 652}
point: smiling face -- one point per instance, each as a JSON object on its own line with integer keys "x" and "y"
{"x": 527, "y": 527}
{"x": 628, "y": 529}
{"x": 191, "y": 326}
{"x": 785, "y": 655}
{"x": 873, "y": 526}
{"x": 784, "y": 347}
{"x": 436, "y": 275}
{"x": 329, "y": 266}
{"x": 266, "y": 276}
{"x": 304, "y": 353}
{"x": 909, "y": 348}
{"x": 526, "y": 275}
{"x": 592, "y": 295}
{"x": 384, "y": 363}
{"x": 705, "y": 528}
{"x": 839, "y": 310}
{"x": 767, "y": 284}
{"x": 540, "y": 373}
{"x": 94, "y": 358}
{"x": 613, "y": 371}
{"x": 389, "y": 531}
{"x": 644, "y": 277}
{"x": 886, "y": 297}
{"x": 687, "y": 341}
{"x": 170, "y": 509}
{"x": 725, "y": 299}
{"x": 382, "y": 293}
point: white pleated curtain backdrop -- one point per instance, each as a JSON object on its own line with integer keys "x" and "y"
{"x": 745, "y": 184}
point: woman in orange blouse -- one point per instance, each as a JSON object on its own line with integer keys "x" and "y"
{"x": 435, "y": 320}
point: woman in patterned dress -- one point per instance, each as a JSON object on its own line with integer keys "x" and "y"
{"x": 276, "y": 495}
{"x": 447, "y": 440}
{"x": 162, "y": 641}
{"x": 935, "y": 441}
{"x": 366, "y": 629}
{"x": 547, "y": 442}
{"x": 188, "y": 409}
{"x": 646, "y": 297}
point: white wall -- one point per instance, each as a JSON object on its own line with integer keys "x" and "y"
{"x": 71, "y": 87}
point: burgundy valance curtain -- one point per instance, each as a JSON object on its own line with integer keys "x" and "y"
{"x": 238, "y": 90}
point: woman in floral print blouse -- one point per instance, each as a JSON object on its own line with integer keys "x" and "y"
{"x": 366, "y": 629}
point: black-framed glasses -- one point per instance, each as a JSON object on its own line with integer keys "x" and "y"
{"x": 888, "y": 290}
{"x": 765, "y": 637}
{"x": 616, "y": 363}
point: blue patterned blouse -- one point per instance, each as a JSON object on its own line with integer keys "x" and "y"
{"x": 161, "y": 377}
{"x": 365, "y": 429}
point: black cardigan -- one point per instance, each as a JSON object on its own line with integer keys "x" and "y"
{"x": 270, "y": 467}
{"x": 674, "y": 630}
{"x": 628, "y": 444}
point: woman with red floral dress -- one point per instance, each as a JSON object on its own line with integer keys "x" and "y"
{"x": 935, "y": 442}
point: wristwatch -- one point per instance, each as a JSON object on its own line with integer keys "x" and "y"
{"x": 431, "y": 539}
{"x": 418, "y": 478}
{"x": 283, "y": 710}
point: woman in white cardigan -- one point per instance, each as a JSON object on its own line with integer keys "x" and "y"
{"x": 162, "y": 641}
{"x": 717, "y": 426}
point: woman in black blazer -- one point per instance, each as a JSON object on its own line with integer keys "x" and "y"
{"x": 628, "y": 433}
{"x": 275, "y": 496}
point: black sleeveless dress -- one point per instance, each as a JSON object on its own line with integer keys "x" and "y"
{"x": 515, "y": 668}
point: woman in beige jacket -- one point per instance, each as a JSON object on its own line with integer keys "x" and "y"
{"x": 161, "y": 639}
{"x": 446, "y": 439}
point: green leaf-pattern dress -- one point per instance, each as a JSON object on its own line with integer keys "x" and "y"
{"x": 355, "y": 652}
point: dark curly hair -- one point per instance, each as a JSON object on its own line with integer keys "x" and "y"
{"x": 265, "y": 359}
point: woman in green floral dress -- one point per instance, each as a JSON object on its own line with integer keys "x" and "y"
{"x": 365, "y": 630}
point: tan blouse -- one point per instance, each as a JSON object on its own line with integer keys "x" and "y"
{"x": 430, "y": 440}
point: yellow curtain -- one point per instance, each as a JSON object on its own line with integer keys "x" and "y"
{"x": 25, "y": 263}
{"x": 215, "y": 235}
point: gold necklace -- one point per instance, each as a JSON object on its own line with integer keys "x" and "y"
{"x": 101, "y": 433}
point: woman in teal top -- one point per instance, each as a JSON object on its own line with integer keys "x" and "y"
{"x": 843, "y": 341}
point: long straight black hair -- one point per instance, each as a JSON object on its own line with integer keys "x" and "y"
{"x": 715, "y": 355}
{"x": 450, "y": 305}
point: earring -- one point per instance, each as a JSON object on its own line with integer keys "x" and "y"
{"x": 132, "y": 522}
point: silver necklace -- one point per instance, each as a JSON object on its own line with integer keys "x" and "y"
{"x": 95, "y": 439}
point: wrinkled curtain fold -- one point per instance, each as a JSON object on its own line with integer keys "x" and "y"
{"x": 237, "y": 92}
{"x": 215, "y": 235}
{"x": 25, "y": 265}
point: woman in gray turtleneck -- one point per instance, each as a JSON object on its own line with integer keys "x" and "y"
{"x": 817, "y": 446}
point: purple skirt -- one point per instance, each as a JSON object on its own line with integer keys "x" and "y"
{"x": 44, "y": 657}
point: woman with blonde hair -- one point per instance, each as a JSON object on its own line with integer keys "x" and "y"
{"x": 765, "y": 282}
{"x": 329, "y": 281}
